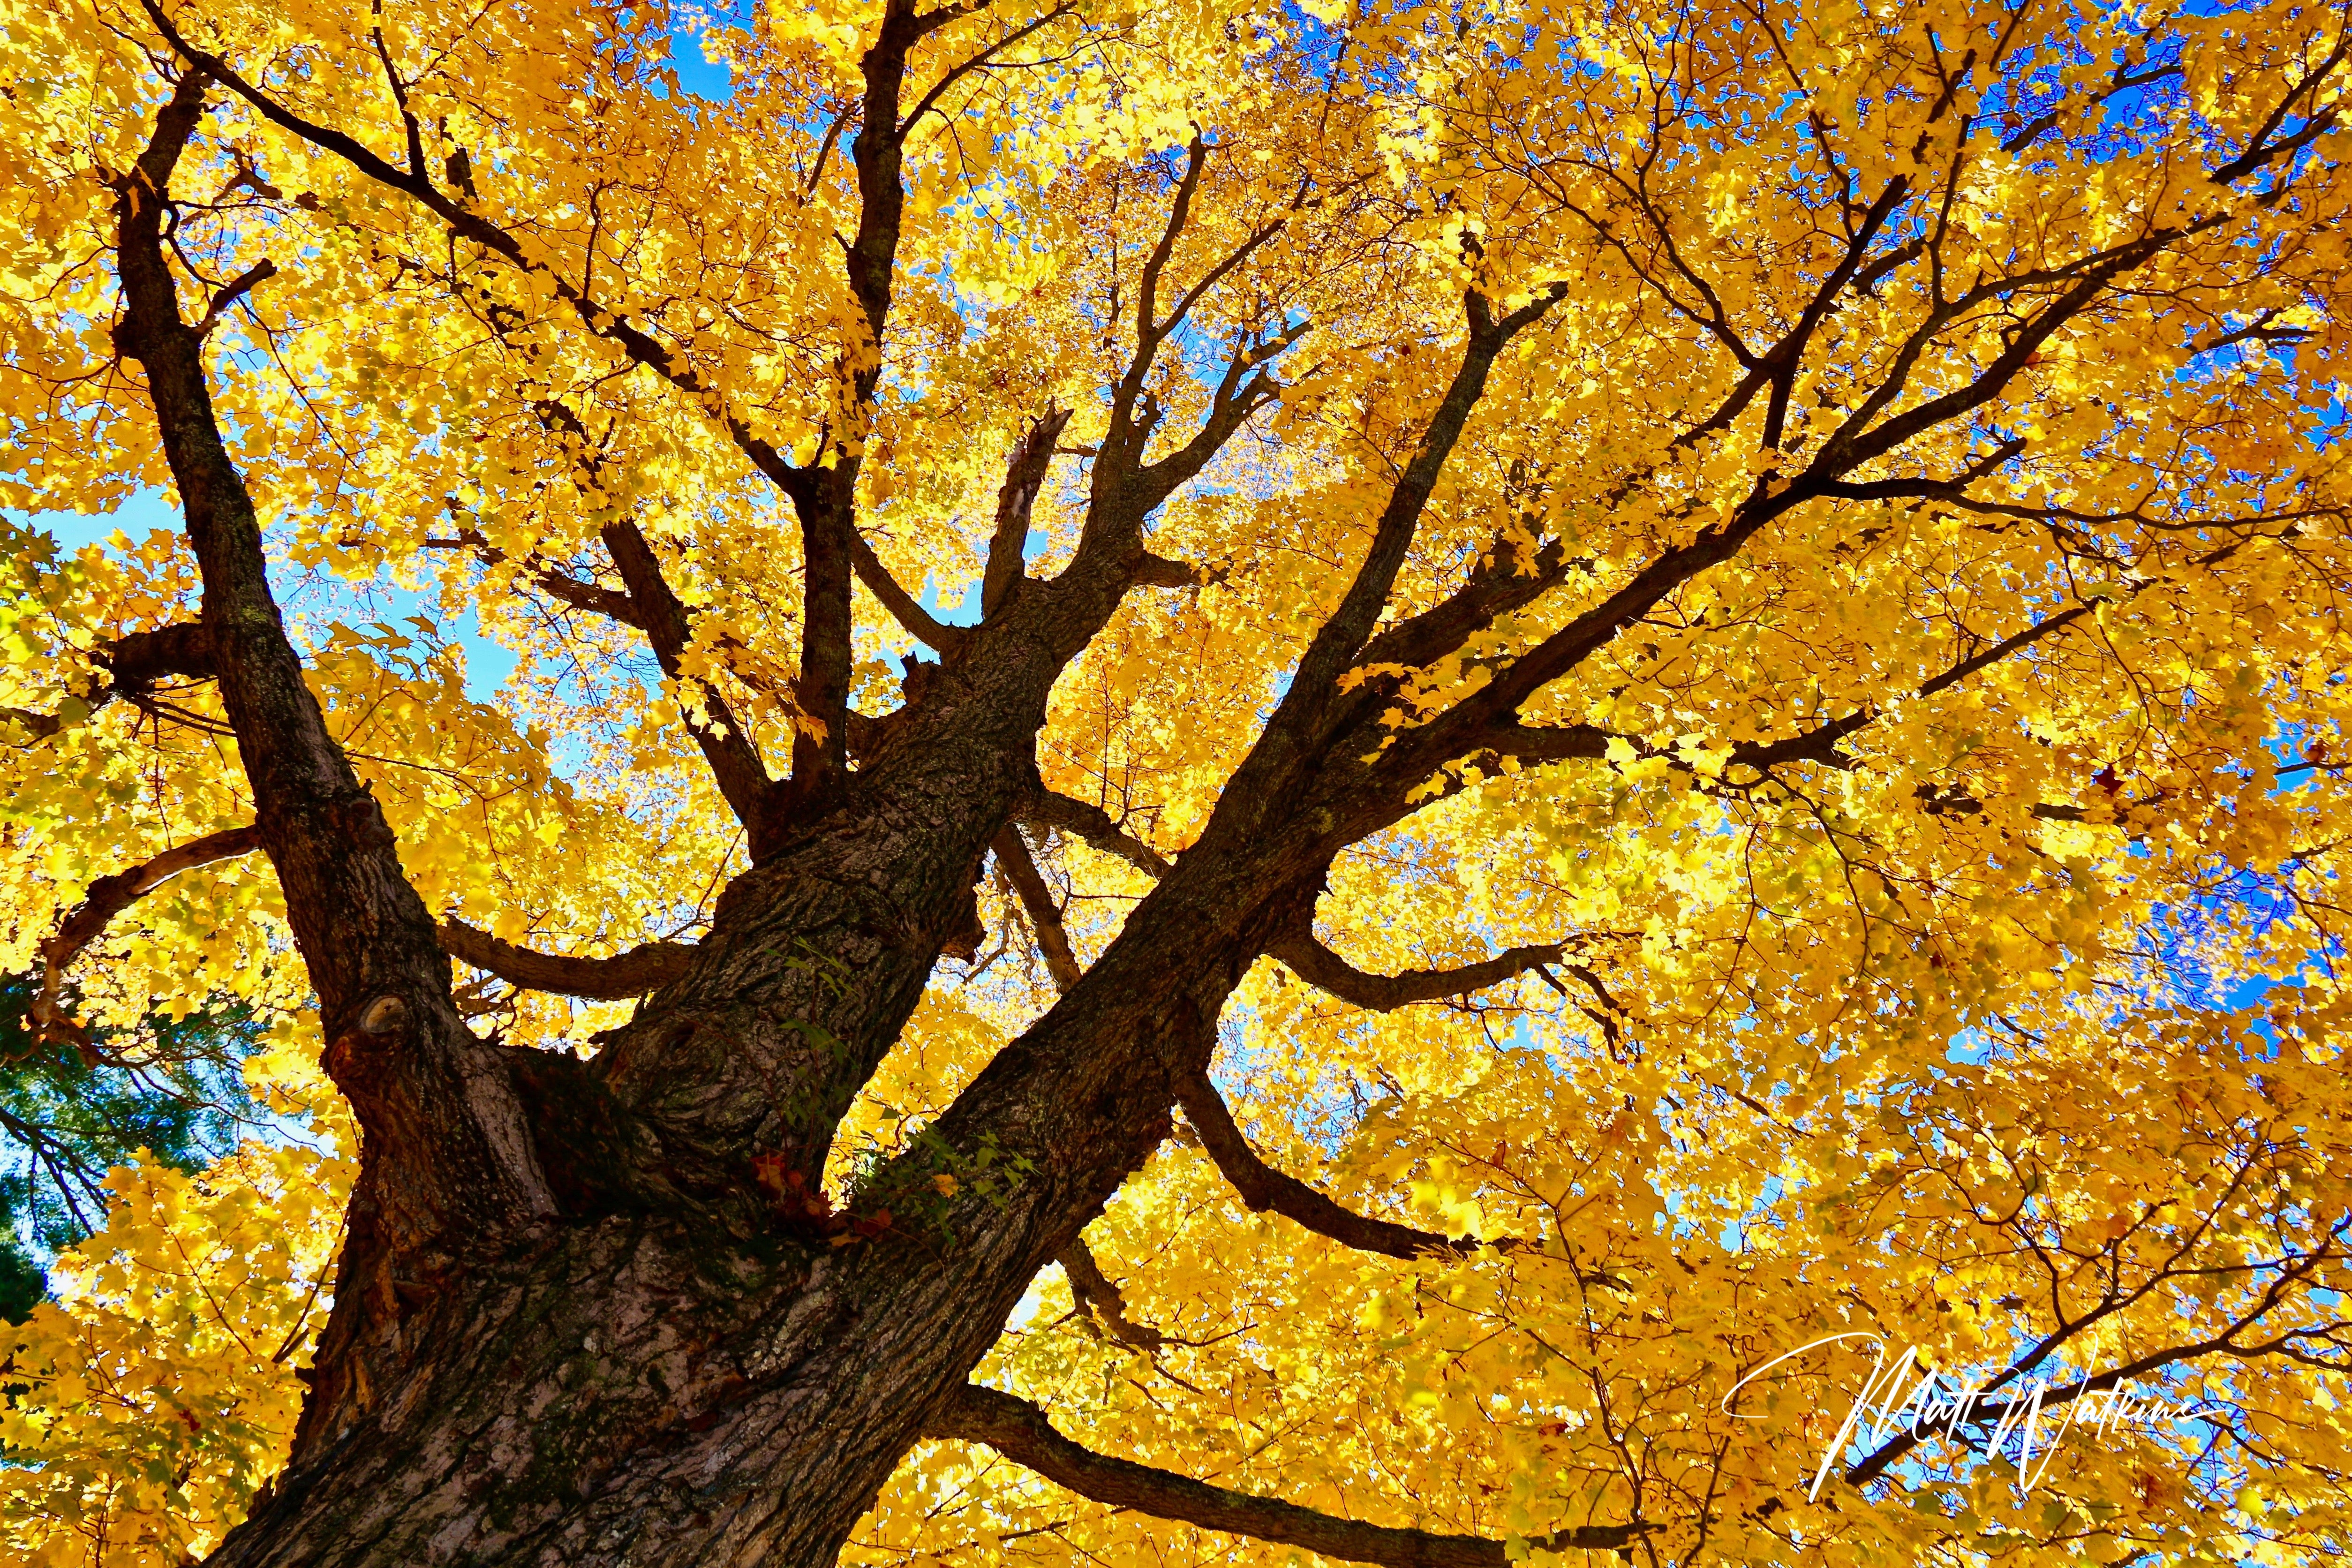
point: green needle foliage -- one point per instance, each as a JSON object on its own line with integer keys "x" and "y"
{"x": 172, "y": 1088}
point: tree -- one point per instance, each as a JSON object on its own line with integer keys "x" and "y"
{"x": 1642, "y": 683}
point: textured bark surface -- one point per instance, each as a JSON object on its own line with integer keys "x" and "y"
{"x": 590, "y": 1313}
{"x": 593, "y": 1311}
{"x": 572, "y": 1324}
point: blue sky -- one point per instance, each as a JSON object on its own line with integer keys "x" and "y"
{"x": 486, "y": 664}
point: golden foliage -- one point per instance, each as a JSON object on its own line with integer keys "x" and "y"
{"x": 158, "y": 1387}
{"x": 2011, "y": 1014}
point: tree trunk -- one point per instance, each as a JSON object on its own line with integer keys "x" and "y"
{"x": 595, "y": 1312}
{"x": 669, "y": 1373}
{"x": 598, "y": 1312}
{"x": 683, "y": 1364}
{"x": 636, "y": 1390}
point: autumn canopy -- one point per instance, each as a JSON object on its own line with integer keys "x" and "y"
{"x": 1222, "y": 782}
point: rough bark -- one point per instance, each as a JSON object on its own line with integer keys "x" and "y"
{"x": 673, "y": 1382}
{"x": 592, "y": 1313}
{"x": 450, "y": 1168}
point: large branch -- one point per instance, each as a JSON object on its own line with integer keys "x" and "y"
{"x": 1468, "y": 727}
{"x": 1024, "y": 476}
{"x": 1297, "y": 740}
{"x": 135, "y": 661}
{"x": 104, "y": 900}
{"x": 648, "y": 967}
{"x": 727, "y": 745}
{"x": 648, "y": 603}
{"x": 139, "y": 660}
{"x": 1864, "y": 436}
{"x": 1090, "y": 1288}
{"x": 1263, "y": 1188}
{"x": 1094, "y": 1294}
{"x": 1320, "y": 966}
{"x": 1308, "y": 958}
{"x": 1020, "y": 1432}
{"x": 1819, "y": 743}
{"x": 905, "y": 609}
{"x": 1512, "y": 575}
{"x": 1335, "y": 642}
{"x": 830, "y": 548}
{"x": 1037, "y": 900}
{"x": 592, "y": 597}
{"x": 1044, "y": 809}
{"x": 447, "y": 1149}
{"x": 1240, "y": 391}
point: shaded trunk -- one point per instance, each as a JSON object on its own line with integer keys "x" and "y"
{"x": 679, "y": 1373}
{"x": 597, "y": 1311}
{"x": 683, "y": 1364}
{"x": 633, "y": 1390}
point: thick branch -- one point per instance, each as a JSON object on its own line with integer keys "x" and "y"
{"x": 1037, "y": 900}
{"x": 1123, "y": 488}
{"x": 1318, "y": 965}
{"x": 448, "y": 1152}
{"x": 1044, "y": 809}
{"x": 1020, "y": 1431}
{"x": 832, "y": 550}
{"x": 1862, "y": 437}
{"x": 905, "y": 609}
{"x": 1149, "y": 332}
{"x": 142, "y": 659}
{"x": 1024, "y": 476}
{"x": 2261, "y": 151}
{"x": 1294, "y": 727}
{"x": 1306, "y": 957}
{"x": 107, "y": 898}
{"x": 1240, "y": 393}
{"x": 1159, "y": 571}
{"x": 728, "y": 746}
{"x": 260, "y": 271}
{"x": 2003, "y": 648}
{"x": 136, "y": 661}
{"x": 1482, "y": 721}
{"x": 824, "y": 499}
{"x": 641, "y": 968}
{"x": 1263, "y": 1187}
{"x": 1508, "y": 578}
{"x": 1095, "y": 1294}
{"x": 593, "y": 597}
{"x": 981, "y": 61}
{"x": 1511, "y": 577}
{"x": 1587, "y": 742}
